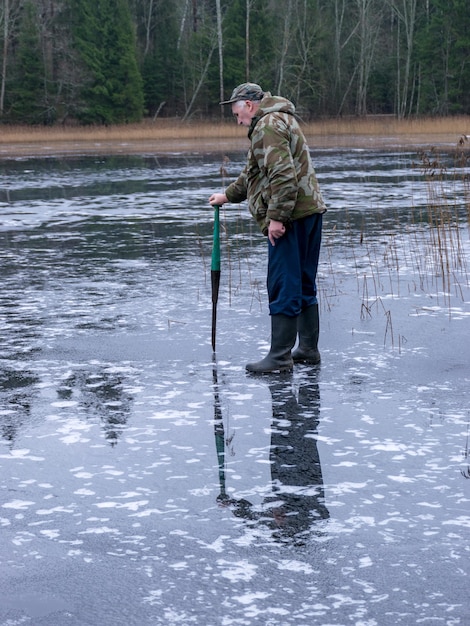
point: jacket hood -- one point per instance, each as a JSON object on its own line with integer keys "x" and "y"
{"x": 274, "y": 104}
{"x": 271, "y": 104}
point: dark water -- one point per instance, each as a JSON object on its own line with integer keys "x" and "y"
{"x": 144, "y": 483}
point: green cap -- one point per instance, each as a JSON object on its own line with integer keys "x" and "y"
{"x": 245, "y": 91}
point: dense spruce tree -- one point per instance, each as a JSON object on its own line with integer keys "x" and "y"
{"x": 159, "y": 57}
{"x": 26, "y": 94}
{"x": 199, "y": 70}
{"x": 114, "y": 61}
{"x": 253, "y": 60}
{"x": 234, "y": 28}
{"x": 104, "y": 37}
{"x": 443, "y": 59}
{"x": 433, "y": 53}
{"x": 264, "y": 47}
{"x": 461, "y": 56}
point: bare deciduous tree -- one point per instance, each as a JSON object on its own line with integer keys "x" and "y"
{"x": 247, "y": 39}
{"x": 8, "y": 16}
{"x": 303, "y": 69}
{"x": 286, "y": 35}
{"x": 6, "y": 31}
{"x": 220, "y": 42}
{"x": 405, "y": 11}
{"x": 343, "y": 33}
{"x": 368, "y": 27}
{"x": 201, "y": 80}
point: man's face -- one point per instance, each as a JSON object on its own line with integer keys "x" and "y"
{"x": 244, "y": 111}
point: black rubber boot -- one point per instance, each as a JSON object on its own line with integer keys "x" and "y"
{"x": 308, "y": 326}
{"x": 279, "y": 358}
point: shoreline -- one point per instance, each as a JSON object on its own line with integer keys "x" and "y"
{"x": 57, "y": 149}
{"x": 172, "y": 136}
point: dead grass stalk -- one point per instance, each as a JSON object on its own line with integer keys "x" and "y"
{"x": 167, "y": 133}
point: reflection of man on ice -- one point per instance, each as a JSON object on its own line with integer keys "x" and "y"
{"x": 294, "y": 500}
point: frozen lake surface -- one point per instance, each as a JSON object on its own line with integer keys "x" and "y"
{"x": 144, "y": 482}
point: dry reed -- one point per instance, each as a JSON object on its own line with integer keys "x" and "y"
{"x": 168, "y": 134}
{"x": 428, "y": 254}
{"x": 433, "y": 246}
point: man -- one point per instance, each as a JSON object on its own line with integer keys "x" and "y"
{"x": 283, "y": 195}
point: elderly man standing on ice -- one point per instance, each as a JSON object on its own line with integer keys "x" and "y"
{"x": 283, "y": 194}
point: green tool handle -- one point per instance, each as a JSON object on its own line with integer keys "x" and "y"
{"x": 215, "y": 262}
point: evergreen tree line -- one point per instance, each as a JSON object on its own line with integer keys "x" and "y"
{"x": 118, "y": 61}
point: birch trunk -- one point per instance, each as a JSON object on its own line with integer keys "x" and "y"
{"x": 221, "y": 54}
{"x": 6, "y": 26}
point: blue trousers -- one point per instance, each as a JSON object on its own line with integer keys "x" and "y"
{"x": 292, "y": 267}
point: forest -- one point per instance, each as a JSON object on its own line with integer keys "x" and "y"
{"x": 101, "y": 62}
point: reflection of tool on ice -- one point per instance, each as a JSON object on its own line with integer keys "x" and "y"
{"x": 220, "y": 442}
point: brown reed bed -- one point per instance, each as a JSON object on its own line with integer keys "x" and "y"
{"x": 169, "y": 135}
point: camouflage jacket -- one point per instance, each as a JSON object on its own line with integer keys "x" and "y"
{"x": 278, "y": 179}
